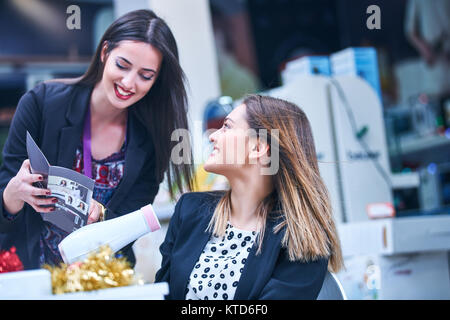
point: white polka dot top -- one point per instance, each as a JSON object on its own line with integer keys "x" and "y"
{"x": 216, "y": 274}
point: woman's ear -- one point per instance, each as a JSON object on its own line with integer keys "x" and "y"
{"x": 259, "y": 152}
{"x": 103, "y": 52}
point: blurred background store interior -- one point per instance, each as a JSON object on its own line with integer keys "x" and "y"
{"x": 234, "y": 47}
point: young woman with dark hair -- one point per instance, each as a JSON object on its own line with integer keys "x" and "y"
{"x": 272, "y": 234}
{"x": 113, "y": 124}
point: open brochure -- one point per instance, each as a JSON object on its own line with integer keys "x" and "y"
{"x": 72, "y": 189}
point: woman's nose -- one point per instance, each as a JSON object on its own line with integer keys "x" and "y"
{"x": 128, "y": 81}
{"x": 213, "y": 136}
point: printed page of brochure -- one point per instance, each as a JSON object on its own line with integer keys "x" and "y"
{"x": 72, "y": 189}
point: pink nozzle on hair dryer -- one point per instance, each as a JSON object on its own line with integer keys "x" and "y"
{"x": 116, "y": 233}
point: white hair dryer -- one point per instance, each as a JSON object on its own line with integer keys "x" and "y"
{"x": 116, "y": 233}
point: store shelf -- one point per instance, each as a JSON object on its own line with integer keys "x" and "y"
{"x": 418, "y": 144}
{"x": 37, "y": 285}
{"x": 395, "y": 235}
{"x": 46, "y": 66}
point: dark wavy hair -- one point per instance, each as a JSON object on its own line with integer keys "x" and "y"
{"x": 164, "y": 108}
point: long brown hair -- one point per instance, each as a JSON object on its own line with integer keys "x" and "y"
{"x": 299, "y": 191}
{"x": 164, "y": 108}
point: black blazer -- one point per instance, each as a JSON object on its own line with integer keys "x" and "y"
{"x": 269, "y": 275}
{"x": 54, "y": 115}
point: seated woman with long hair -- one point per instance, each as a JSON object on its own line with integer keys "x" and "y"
{"x": 272, "y": 234}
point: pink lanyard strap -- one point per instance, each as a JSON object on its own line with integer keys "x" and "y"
{"x": 87, "y": 156}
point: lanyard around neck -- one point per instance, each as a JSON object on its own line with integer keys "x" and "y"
{"x": 87, "y": 155}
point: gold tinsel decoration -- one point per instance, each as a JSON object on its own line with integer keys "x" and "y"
{"x": 100, "y": 270}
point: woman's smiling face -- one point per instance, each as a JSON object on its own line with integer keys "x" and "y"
{"x": 130, "y": 71}
{"x": 230, "y": 143}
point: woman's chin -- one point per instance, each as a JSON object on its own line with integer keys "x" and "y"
{"x": 211, "y": 167}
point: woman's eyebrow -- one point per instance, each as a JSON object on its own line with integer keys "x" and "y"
{"x": 229, "y": 119}
{"x": 146, "y": 69}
